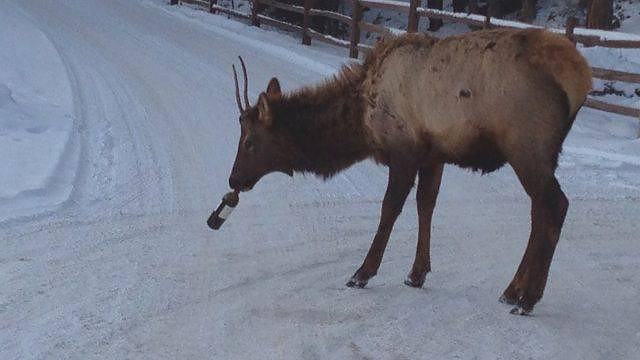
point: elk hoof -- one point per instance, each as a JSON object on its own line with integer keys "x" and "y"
{"x": 360, "y": 278}
{"x": 522, "y": 301}
{"x": 413, "y": 283}
{"x": 519, "y": 310}
{"x": 357, "y": 283}
{"x": 507, "y": 300}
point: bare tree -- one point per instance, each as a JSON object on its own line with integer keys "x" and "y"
{"x": 600, "y": 14}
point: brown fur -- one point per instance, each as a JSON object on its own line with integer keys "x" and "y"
{"x": 569, "y": 70}
{"x": 477, "y": 100}
{"x": 325, "y": 124}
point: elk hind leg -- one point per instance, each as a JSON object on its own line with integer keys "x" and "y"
{"x": 548, "y": 209}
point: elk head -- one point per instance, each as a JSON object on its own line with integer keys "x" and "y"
{"x": 262, "y": 148}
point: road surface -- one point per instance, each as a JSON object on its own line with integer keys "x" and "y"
{"x": 125, "y": 268}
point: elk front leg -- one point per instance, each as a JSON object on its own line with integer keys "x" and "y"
{"x": 428, "y": 188}
{"x": 401, "y": 179}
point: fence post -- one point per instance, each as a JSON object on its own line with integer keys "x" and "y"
{"x": 355, "y": 28}
{"x": 254, "y": 13}
{"x": 435, "y": 24}
{"x": 487, "y": 22}
{"x": 474, "y": 8}
{"x": 306, "y": 39}
{"x": 570, "y": 25}
{"x": 414, "y": 19}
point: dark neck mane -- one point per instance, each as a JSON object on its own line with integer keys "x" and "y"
{"x": 326, "y": 124}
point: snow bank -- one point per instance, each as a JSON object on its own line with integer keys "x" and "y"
{"x": 36, "y": 107}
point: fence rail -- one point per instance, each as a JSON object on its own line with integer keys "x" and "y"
{"x": 387, "y": 5}
{"x": 224, "y": 10}
{"x": 613, "y": 108}
{"x": 614, "y": 75}
{"x": 415, "y": 12}
{"x": 370, "y": 27}
{"x": 312, "y": 12}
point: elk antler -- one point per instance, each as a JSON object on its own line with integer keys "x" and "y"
{"x": 246, "y": 83}
{"x": 235, "y": 78}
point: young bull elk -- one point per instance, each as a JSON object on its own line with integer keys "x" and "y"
{"x": 477, "y": 100}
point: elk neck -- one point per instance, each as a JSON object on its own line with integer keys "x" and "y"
{"x": 326, "y": 124}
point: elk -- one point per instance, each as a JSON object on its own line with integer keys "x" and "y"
{"x": 478, "y": 101}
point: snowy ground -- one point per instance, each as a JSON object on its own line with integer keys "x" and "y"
{"x": 124, "y": 266}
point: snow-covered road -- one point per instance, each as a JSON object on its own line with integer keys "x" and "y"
{"x": 126, "y": 268}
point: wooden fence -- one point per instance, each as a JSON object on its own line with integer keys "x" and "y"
{"x": 414, "y": 13}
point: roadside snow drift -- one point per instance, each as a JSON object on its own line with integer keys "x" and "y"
{"x": 36, "y": 119}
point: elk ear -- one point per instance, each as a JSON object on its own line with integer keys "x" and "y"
{"x": 264, "y": 111}
{"x": 273, "y": 89}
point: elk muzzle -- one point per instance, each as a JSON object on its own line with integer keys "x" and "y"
{"x": 240, "y": 184}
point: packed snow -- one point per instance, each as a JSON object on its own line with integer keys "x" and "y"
{"x": 118, "y": 128}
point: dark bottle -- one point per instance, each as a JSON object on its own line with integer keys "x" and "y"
{"x": 229, "y": 202}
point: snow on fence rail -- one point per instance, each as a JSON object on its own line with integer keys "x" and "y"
{"x": 587, "y": 37}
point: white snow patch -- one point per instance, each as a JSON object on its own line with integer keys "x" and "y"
{"x": 36, "y": 108}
